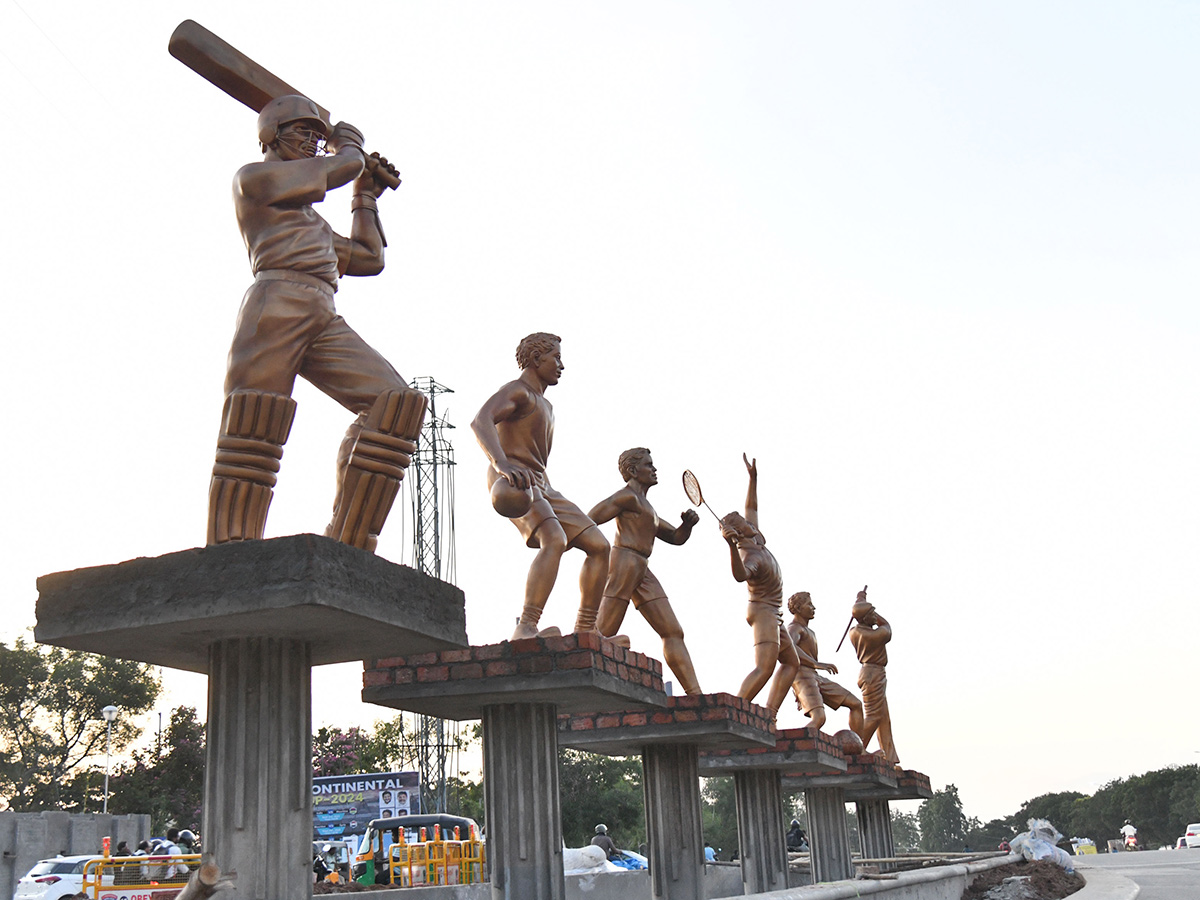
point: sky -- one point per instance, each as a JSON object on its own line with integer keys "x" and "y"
{"x": 933, "y": 264}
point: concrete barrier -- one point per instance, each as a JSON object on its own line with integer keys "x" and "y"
{"x": 27, "y": 837}
{"x": 940, "y": 883}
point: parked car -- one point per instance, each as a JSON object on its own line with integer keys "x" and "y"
{"x": 126, "y": 879}
{"x": 1181, "y": 844}
{"x": 51, "y": 879}
{"x": 1192, "y": 835}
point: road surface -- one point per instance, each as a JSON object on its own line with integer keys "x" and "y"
{"x": 1161, "y": 874}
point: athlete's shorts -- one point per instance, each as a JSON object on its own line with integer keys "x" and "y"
{"x": 813, "y": 690}
{"x": 548, "y": 504}
{"x": 630, "y": 578}
{"x": 286, "y": 327}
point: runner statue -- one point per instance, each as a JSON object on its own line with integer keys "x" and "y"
{"x": 629, "y": 575}
{"x": 287, "y": 326}
{"x": 814, "y": 692}
{"x": 870, "y": 638}
{"x": 515, "y": 428}
{"x": 755, "y": 565}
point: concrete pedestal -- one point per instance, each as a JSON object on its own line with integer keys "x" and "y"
{"x": 258, "y": 768}
{"x": 669, "y": 742}
{"x": 256, "y": 616}
{"x": 674, "y": 830}
{"x": 875, "y": 831}
{"x": 828, "y": 835}
{"x": 517, "y": 689}
{"x": 524, "y": 824}
{"x": 759, "y": 799}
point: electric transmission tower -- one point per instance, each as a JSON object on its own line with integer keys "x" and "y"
{"x": 434, "y": 741}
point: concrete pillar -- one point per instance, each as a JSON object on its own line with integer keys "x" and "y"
{"x": 761, "y": 837}
{"x": 674, "y": 830}
{"x": 828, "y": 836}
{"x": 258, "y": 778}
{"x": 520, "y": 788}
{"x": 875, "y": 831}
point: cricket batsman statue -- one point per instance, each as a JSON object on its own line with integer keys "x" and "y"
{"x": 287, "y": 326}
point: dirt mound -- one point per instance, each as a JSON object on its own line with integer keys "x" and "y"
{"x": 1040, "y": 880}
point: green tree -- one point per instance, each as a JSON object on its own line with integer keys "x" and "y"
{"x": 50, "y": 722}
{"x": 906, "y": 831}
{"x": 944, "y": 826}
{"x": 601, "y": 789}
{"x": 167, "y": 780}
{"x": 352, "y": 752}
{"x": 465, "y": 798}
{"x": 718, "y": 814}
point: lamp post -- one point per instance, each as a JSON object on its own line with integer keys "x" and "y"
{"x": 110, "y": 716}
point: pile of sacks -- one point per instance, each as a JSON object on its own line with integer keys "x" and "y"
{"x": 1040, "y": 842}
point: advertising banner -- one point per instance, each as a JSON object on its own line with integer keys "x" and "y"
{"x": 344, "y": 804}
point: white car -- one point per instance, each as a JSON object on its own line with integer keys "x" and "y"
{"x": 53, "y": 878}
{"x": 62, "y": 876}
{"x": 1192, "y": 835}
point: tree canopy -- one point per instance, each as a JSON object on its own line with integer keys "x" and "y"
{"x": 51, "y": 727}
{"x": 944, "y": 825}
{"x": 167, "y": 780}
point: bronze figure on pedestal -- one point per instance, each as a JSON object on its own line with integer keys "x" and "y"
{"x": 814, "y": 692}
{"x": 515, "y": 428}
{"x": 755, "y": 566}
{"x": 287, "y": 326}
{"x": 629, "y": 575}
{"x": 870, "y": 638}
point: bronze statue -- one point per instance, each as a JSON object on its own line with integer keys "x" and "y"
{"x": 287, "y": 326}
{"x": 515, "y": 428}
{"x": 629, "y": 575}
{"x": 869, "y": 639}
{"x": 755, "y": 565}
{"x": 814, "y": 692}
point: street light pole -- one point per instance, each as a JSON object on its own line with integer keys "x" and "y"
{"x": 110, "y": 716}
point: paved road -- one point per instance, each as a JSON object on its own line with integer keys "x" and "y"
{"x": 1161, "y": 874}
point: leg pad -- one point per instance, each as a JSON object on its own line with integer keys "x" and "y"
{"x": 254, "y": 428}
{"x": 381, "y": 445}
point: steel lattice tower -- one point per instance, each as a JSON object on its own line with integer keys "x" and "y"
{"x": 431, "y": 475}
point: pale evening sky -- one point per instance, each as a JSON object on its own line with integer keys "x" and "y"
{"x": 934, "y": 264}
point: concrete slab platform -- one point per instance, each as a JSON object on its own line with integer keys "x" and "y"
{"x": 865, "y": 772}
{"x": 910, "y": 785}
{"x": 795, "y": 749}
{"x": 708, "y": 721}
{"x": 166, "y": 610}
{"x": 576, "y": 672}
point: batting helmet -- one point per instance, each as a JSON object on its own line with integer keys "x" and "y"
{"x": 289, "y": 108}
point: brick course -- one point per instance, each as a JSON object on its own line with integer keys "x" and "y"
{"x": 571, "y": 652}
{"x": 689, "y": 708}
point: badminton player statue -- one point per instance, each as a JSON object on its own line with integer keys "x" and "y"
{"x": 755, "y": 566}
{"x": 629, "y": 575}
{"x": 515, "y": 428}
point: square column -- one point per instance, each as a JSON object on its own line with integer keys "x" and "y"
{"x": 875, "y": 831}
{"x": 828, "y": 835}
{"x": 674, "y": 829}
{"x": 258, "y": 765}
{"x": 518, "y": 688}
{"x": 759, "y": 800}
{"x": 524, "y": 833}
{"x": 669, "y": 742}
{"x": 256, "y": 616}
